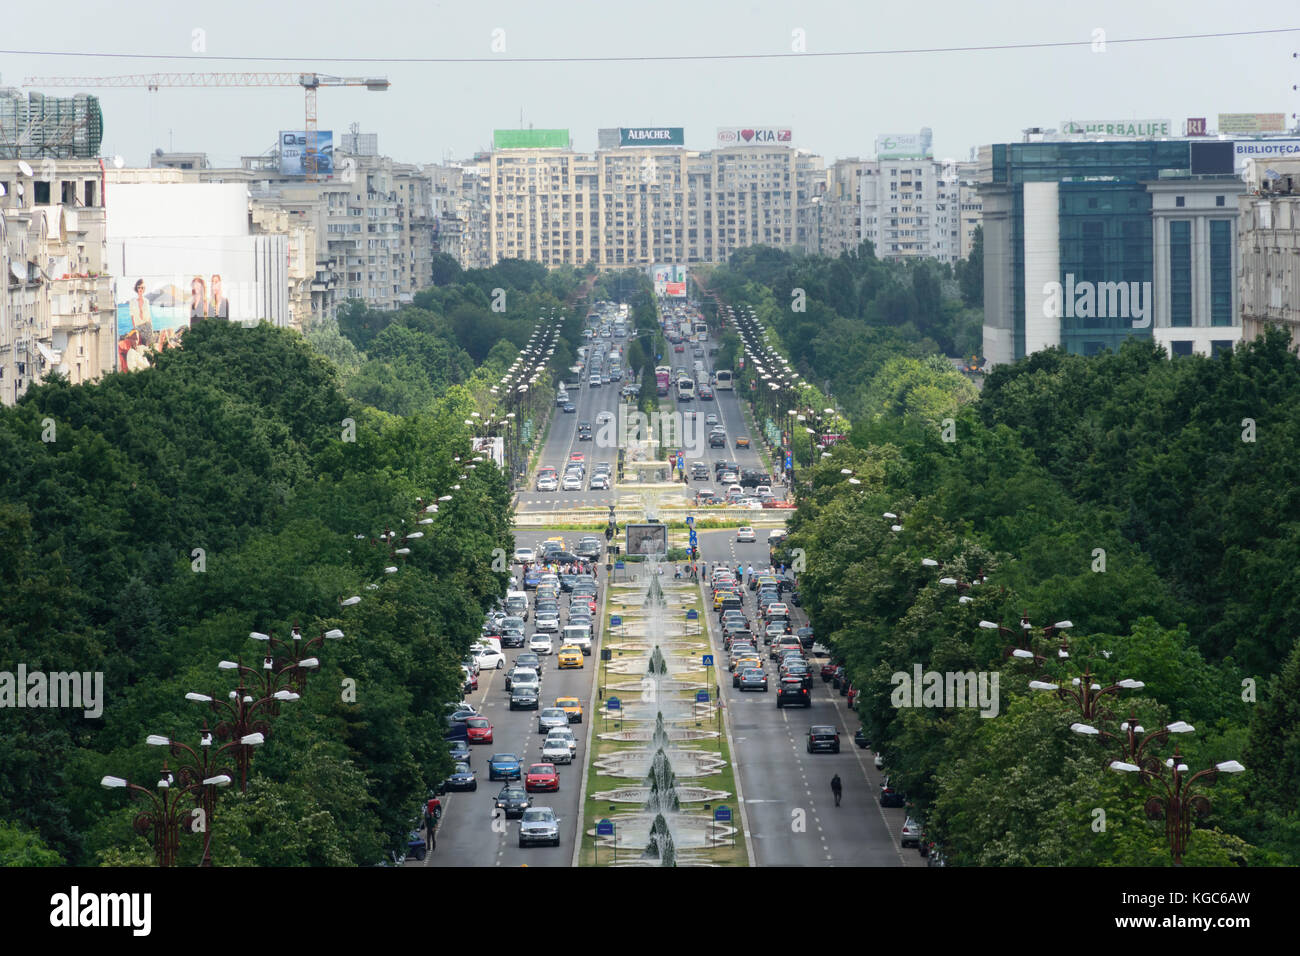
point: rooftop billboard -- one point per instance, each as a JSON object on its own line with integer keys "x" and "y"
{"x": 294, "y": 152}
{"x": 651, "y": 136}
{"x": 754, "y": 136}
{"x": 530, "y": 139}
{"x": 1252, "y": 122}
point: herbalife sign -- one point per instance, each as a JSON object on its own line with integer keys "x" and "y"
{"x": 651, "y": 136}
{"x": 1122, "y": 128}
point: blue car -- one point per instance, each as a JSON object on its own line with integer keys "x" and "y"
{"x": 462, "y": 778}
{"x": 532, "y": 579}
{"x": 505, "y": 767}
{"x": 460, "y": 752}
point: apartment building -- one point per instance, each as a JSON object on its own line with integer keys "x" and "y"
{"x": 56, "y": 306}
{"x": 1268, "y": 244}
{"x": 911, "y": 208}
{"x": 460, "y": 206}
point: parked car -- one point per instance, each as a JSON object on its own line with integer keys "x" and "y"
{"x": 889, "y": 797}
{"x": 911, "y": 833}
{"x": 860, "y": 738}
{"x": 462, "y": 778}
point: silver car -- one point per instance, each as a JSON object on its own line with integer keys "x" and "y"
{"x": 539, "y": 825}
{"x": 555, "y": 750}
{"x": 552, "y": 718}
{"x": 565, "y": 736}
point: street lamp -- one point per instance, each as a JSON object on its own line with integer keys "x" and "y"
{"x": 1178, "y": 801}
{"x": 201, "y": 774}
{"x": 243, "y": 722}
{"x": 165, "y": 817}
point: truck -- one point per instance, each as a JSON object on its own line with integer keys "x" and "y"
{"x": 662, "y": 374}
{"x": 579, "y": 635}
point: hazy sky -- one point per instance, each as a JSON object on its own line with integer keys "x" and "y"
{"x": 835, "y": 105}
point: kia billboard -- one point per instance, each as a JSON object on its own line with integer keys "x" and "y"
{"x": 754, "y": 136}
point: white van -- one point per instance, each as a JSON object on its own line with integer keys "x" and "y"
{"x": 517, "y": 604}
{"x": 578, "y": 635}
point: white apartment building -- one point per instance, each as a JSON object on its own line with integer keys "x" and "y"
{"x": 1268, "y": 249}
{"x": 56, "y": 306}
{"x": 911, "y": 209}
{"x": 460, "y": 204}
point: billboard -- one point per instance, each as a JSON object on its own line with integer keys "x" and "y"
{"x": 1122, "y": 128}
{"x": 676, "y": 290}
{"x": 1195, "y": 126}
{"x": 294, "y": 152}
{"x": 903, "y": 146}
{"x": 1252, "y": 122}
{"x": 1263, "y": 149}
{"x": 530, "y": 139}
{"x": 491, "y": 448}
{"x": 754, "y": 136}
{"x": 647, "y": 539}
{"x": 651, "y": 136}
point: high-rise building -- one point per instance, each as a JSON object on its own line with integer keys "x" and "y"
{"x": 1089, "y": 243}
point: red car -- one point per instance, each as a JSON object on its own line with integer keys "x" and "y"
{"x": 479, "y": 730}
{"x": 541, "y": 776}
{"x": 852, "y": 696}
{"x": 828, "y": 671}
{"x": 679, "y": 348}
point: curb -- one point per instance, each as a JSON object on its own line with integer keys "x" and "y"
{"x": 591, "y": 723}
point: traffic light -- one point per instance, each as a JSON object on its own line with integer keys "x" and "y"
{"x": 609, "y": 532}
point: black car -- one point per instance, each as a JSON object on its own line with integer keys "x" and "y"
{"x": 860, "y": 738}
{"x": 700, "y": 471}
{"x": 570, "y": 408}
{"x": 513, "y": 800}
{"x": 791, "y": 691}
{"x": 805, "y": 635}
{"x": 512, "y": 637}
{"x": 889, "y": 797}
{"x": 823, "y": 738}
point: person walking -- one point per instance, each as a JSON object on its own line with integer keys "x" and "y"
{"x": 836, "y": 788}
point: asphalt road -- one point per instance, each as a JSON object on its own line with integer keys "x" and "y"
{"x": 470, "y": 834}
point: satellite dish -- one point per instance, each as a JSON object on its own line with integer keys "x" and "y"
{"x": 19, "y": 187}
{"x": 19, "y": 274}
{"x": 24, "y": 167}
{"x": 118, "y": 162}
{"x": 2, "y": 190}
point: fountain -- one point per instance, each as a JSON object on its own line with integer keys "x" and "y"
{"x": 661, "y": 845}
{"x": 662, "y": 782}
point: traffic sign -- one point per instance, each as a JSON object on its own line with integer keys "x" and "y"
{"x": 690, "y": 519}
{"x": 606, "y": 654}
{"x": 707, "y": 660}
{"x": 618, "y": 565}
{"x": 613, "y": 704}
{"x": 701, "y": 697}
{"x": 692, "y": 615}
{"x": 788, "y": 462}
{"x": 615, "y": 621}
{"x": 604, "y": 828}
{"x": 722, "y": 815}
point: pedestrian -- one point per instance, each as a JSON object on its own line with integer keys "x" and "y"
{"x": 836, "y": 788}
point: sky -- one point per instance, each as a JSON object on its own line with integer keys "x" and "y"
{"x": 835, "y": 105}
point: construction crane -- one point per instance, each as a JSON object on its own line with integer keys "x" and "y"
{"x": 310, "y": 82}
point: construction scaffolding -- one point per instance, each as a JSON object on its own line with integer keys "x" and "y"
{"x": 34, "y": 126}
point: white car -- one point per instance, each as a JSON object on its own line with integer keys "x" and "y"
{"x": 540, "y": 643}
{"x": 762, "y": 490}
{"x": 572, "y": 482}
{"x": 603, "y": 417}
{"x": 566, "y": 735}
{"x": 555, "y": 750}
{"x": 599, "y": 483}
{"x": 745, "y": 534}
{"x": 489, "y": 659}
{"x": 548, "y": 483}
{"x": 880, "y": 762}
{"x": 524, "y": 555}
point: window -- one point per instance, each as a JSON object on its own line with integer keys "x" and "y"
{"x": 1181, "y": 349}
{"x": 1180, "y": 273}
{"x": 1218, "y": 200}
{"x": 1180, "y": 201}
{"x": 1221, "y": 272}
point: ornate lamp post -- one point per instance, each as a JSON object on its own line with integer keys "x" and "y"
{"x": 1133, "y": 740}
{"x": 285, "y": 658}
{"x": 1178, "y": 799}
{"x": 202, "y": 774}
{"x": 243, "y": 721}
{"x": 166, "y": 816}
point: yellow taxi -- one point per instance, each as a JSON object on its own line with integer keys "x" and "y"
{"x": 722, "y": 595}
{"x": 741, "y": 663}
{"x": 571, "y": 706}
{"x": 558, "y": 540}
{"x": 570, "y": 656}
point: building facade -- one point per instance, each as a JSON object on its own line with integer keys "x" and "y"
{"x": 56, "y": 306}
{"x": 1089, "y": 243}
{"x": 1268, "y": 244}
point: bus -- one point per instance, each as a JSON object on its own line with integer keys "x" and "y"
{"x": 701, "y": 331}
{"x": 662, "y": 373}
{"x": 685, "y": 390}
{"x": 722, "y": 380}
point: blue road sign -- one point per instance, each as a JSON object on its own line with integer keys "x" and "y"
{"x": 708, "y": 660}
{"x": 701, "y": 697}
{"x": 722, "y": 815}
{"x": 604, "y": 828}
{"x": 788, "y": 463}
{"x": 615, "y": 621}
{"x": 692, "y": 615}
{"x": 613, "y": 704}
{"x": 618, "y": 565}
{"x": 690, "y": 519}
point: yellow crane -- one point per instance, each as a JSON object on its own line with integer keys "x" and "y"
{"x": 310, "y": 83}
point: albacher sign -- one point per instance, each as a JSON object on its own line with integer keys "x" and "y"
{"x": 1118, "y": 127}
{"x": 754, "y": 135}
{"x": 651, "y": 136}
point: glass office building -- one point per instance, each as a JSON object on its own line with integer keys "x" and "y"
{"x": 1089, "y": 243}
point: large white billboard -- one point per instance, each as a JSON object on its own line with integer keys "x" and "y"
{"x": 182, "y": 253}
